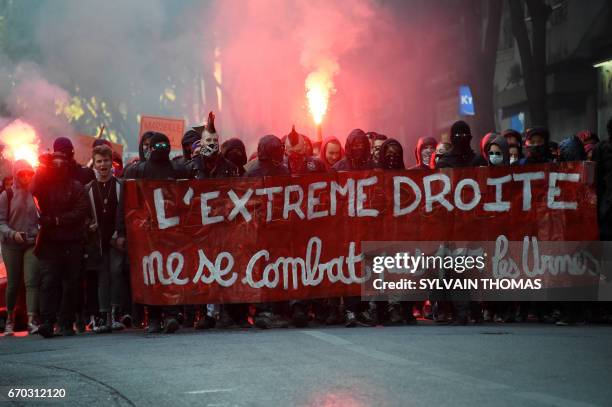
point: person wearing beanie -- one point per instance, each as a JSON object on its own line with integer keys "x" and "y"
{"x": 537, "y": 146}
{"x": 84, "y": 175}
{"x": 59, "y": 247}
{"x": 18, "y": 229}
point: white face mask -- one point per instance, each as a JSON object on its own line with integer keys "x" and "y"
{"x": 496, "y": 159}
{"x": 513, "y": 160}
{"x": 425, "y": 156}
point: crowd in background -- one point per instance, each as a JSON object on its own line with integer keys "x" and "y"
{"x": 64, "y": 239}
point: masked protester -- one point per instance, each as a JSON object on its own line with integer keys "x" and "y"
{"x": 376, "y": 141}
{"x": 423, "y": 152}
{"x": 572, "y": 149}
{"x": 602, "y": 156}
{"x": 442, "y": 148}
{"x": 554, "y": 151}
{"x": 482, "y": 160}
{"x": 357, "y": 149}
{"x": 498, "y": 152}
{"x": 537, "y": 149}
{"x": 18, "y": 228}
{"x": 234, "y": 151}
{"x": 461, "y": 154}
{"x": 82, "y": 174}
{"x": 210, "y": 163}
{"x": 331, "y": 152}
{"x": 270, "y": 157}
{"x": 391, "y": 155}
{"x": 63, "y": 212}
{"x": 186, "y": 142}
{"x": 157, "y": 166}
{"x": 297, "y": 157}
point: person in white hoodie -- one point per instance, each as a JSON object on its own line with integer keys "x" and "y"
{"x": 18, "y": 228}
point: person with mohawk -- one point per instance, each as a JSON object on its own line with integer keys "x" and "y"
{"x": 210, "y": 163}
{"x": 297, "y": 157}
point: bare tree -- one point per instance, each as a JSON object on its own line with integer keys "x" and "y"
{"x": 532, "y": 53}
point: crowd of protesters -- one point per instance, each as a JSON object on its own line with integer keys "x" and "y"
{"x": 63, "y": 230}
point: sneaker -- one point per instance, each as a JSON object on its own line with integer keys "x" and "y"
{"x": 225, "y": 321}
{"x": 154, "y": 327}
{"x": 171, "y": 325}
{"x": 9, "y": 328}
{"x": 299, "y": 319}
{"x": 333, "y": 318}
{"x": 206, "y": 322}
{"x": 365, "y": 318}
{"x": 267, "y": 320}
{"x": 46, "y": 330}
{"x": 32, "y": 329}
{"x": 351, "y": 320}
{"x": 395, "y": 315}
{"x": 117, "y": 326}
{"x": 127, "y": 320}
{"x": 68, "y": 330}
{"x": 102, "y": 329}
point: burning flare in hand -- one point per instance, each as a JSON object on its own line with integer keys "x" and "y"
{"x": 21, "y": 142}
{"x": 319, "y": 85}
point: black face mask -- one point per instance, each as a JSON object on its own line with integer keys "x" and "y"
{"x": 160, "y": 152}
{"x": 392, "y": 162}
{"x": 540, "y": 152}
{"x": 236, "y": 157}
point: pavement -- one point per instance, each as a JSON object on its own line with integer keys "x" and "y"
{"x": 424, "y": 365}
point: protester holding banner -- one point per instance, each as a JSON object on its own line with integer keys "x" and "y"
{"x": 424, "y": 150}
{"x": 376, "y": 141}
{"x": 157, "y": 166}
{"x": 234, "y": 151}
{"x": 460, "y": 154}
{"x": 19, "y": 227}
{"x": 297, "y": 156}
{"x": 358, "y": 154}
{"x": 537, "y": 147}
{"x": 497, "y": 151}
{"x": 269, "y": 161}
{"x": 482, "y": 159}
{"x": 210, "y": 163}
{"x": 186, "y": 142}
{"x": 331, "y": 152}
{"x": 63, "y": 211}
{"x": 441, "y": 149}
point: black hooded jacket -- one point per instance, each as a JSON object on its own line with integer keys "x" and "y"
{"x": 348, "y": 162}
{"x": 223, "y": 168}
{"x": 461, "y": 154}
{"x": 63, "y": 203}
{"x": 572, "y": 149}
{"x": 269, "y": 161}
{"x": 383, "y": 150}
{"x": 228, "y": 149}
{"x": 602, "y": 155}
{"x": 421, "y": 144}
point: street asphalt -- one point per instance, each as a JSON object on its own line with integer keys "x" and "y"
{"x": 424, "y": 365}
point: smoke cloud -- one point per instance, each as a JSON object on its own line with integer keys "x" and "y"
{"x": 248, "y": 63}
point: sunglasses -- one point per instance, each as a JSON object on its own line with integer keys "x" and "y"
{"x": 495, "y": 153}
{"x": 161, "y": 146}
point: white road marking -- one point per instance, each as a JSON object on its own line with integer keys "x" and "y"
{"x": 206, "y": 391}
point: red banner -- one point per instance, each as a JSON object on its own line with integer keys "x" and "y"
{"x": 280, "y": 238}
